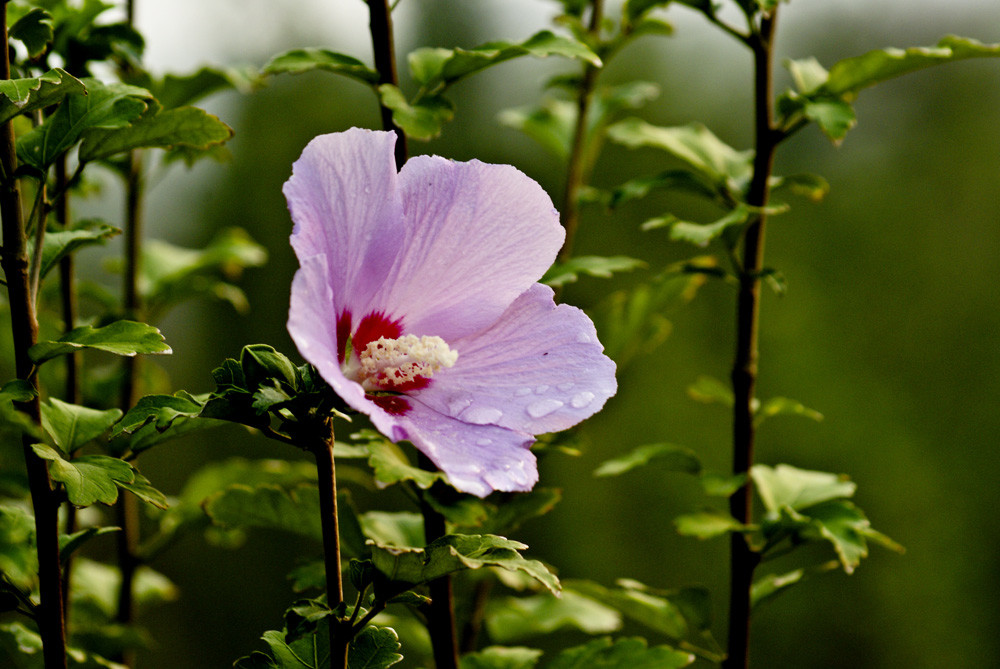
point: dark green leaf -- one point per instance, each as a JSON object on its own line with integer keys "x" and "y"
{"x": 374, "y": 648}
{"x": 17, "y": 390}
{"x": 501, "y": 657}
{"x": 121, "y": 338}
{"x": 834, "y": 117}
{"x": 512, "y": 619}
{"x": 785, "y": 485}
{"x": 268, "y": 506}
{"x": 550, "y": 124}
{"x": 847, "y": 529}
{"x": 177, "y": 90}
{"x": 684, "y": 180}
{"x": 60, "y": 243}
{"x": 621, "y": 654}
{"x": 160, "y": 411}
{"x": 298, "y": 61}
{"x": 700, "y": 234}
{"x": 404, "y": 568}
{"x": 144, "y": 490}
{"x": 71, "y": 425}
{"x": 16, "y": 421}
{"x": 189, "y": 127}
{"x": 21, "y": 96}
{"x": 602, "y": 267}
{"x": 721, "y": 485}
{"x": 88, "y": 479}
{"x": 419, "y": 120}
{"x": 673, "y": 457}
{"x": 401, "y": 529}
{"x": 18, "y": 559}
{"x": 104, "y": 106}
{"x": 391, "y": 466}
{"x": 707, "y": 524}
{"x": 34, "y": 29}
{"x": 634, "y": 9}
{"x": 811, "y": 186}
{"x": 767, "y": 587}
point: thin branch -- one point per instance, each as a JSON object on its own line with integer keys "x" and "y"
{"x": 384, "y": 50}
{"x": 744, "y": 559}
{"x": 327, "y": 480}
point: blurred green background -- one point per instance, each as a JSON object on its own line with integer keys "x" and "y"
{"x": 889, "y": 327}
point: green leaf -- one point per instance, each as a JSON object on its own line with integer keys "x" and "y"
{"x": 768, "y": 587}
{"x": 104, "y": 106}
{"x": 683, "y": 180}
{"x": 177, "y": 90}
{"x": 374, "y": 648}
{"x": 18, "y": 390}
{"x": 160, "y": 411}
{"x": 70, "y": 543}
{"x": 778, "y": 406}
{"x": 710, "y": 390}
{"x": 602, "y": 267}
{"x": 785, "y": 485}
{"x": 515, "y": 618}
{"x": 298, "y": 61}
{"x": 71, "y": 425}
{"x": 34, "y": 30}
{"x": 402, "y": 529}
{"x": 88, "y": 479}
{"x": 29, "y": 648}
{"x": 188, "y": 127}
{"x": 834, "y": 117}
{"x": 811, "y": 186}
{"x": 268, "y": 506}
{"x": 722, "y": 485}
{"x": 694, "y": 144}
{"x": 419, "y": 120}
{"x": 701, "y": 234}
{"x": 655, "y": 612}
{"x": 121, "y": 338}
{"x": 404, "y": 568}
{"x": 847, "y": 529}
{"x": 435, "y": 69}
{"x": 807, "y": 74}
{"x": 636, "y": 9}
{"x": 60, "y": 243}
{"x": 707, "y": 524}
{"x": 620, "y": 654}
{"x": 501, "y": 657}
{"x": 676, "y": 458}
{"x": 550, "y": 124}
{"x": 21, "y": 96}
{"x": 143, "y": 489}
{"x": 853, "y": 74}
{"x": 392, "y": 466}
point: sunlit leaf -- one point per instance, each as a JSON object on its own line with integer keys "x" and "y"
{"x": 778, "y": 406}
{"x": 669, "y": 456}
{"x": 707, "y": 524}
{"x": 602, "y": 267}
{"x": 405, "y": 567}
{"x": 392, "y": 466}
{"x": 710, "y": 390}
{"x": 61, "y": 243}
{"x": 655, "y": 612}
{"x": 419, "y": 120}
{"x": 501, "y": 657}
{"x": 785, "y": 485}
{"x": 512, "y": 619}
{"x": 71, "y": 425}
{"x": 88, "y": 479}
{"x": 121, "y": 338}
{"x": 550, "y": 124}
{"x": 21, "y": 96}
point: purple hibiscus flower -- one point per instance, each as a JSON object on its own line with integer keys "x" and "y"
{"x": 417, "y": 301}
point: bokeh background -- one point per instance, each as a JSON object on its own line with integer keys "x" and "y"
{"x": 889, "y": 327}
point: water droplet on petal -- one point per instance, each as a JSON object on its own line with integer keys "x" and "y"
{"x": 484, "y": 442}
{"x": 482, "y": 415}
{"x": 583, "y": 338}
{"x": 541, "y": 389}
{"x": 563, "y": 387}
{"x": 543, "y": 408}
{"x": 521, "y": 392}
{"x": 457, "y": 404}
{"x": 581, "y": 400}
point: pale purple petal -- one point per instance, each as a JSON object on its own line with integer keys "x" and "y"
{"x": 479, "y": 236}
{"x": 478, "y": 459}
{"x": 343, "y": 198}
{"x": 539, "y": 368}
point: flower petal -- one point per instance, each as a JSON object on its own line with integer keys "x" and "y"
{"x": 478, "y": 236}
{"x": 478, "y": 459}
{"x": 539, "y": 368}
{"x": 343, "y": 199}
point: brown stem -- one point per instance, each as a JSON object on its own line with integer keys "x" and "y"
{"x": 579, "y": 167}
{"x": 384, "y": 50}
{"x": 744, "y": 559}
{"x": 126, "y": 509}
{"x": 24, "y": 330}
{"x": 327, "y": 473}
{"x": 441, "y": 610}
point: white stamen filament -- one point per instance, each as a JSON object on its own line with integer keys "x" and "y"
{"x": 389, "y": 363}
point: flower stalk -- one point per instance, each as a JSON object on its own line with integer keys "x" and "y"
{"x": 744, "y": 559}
{"x": 384, "y": 49}
{"x": 327, "y": 478}
{"x": 24, "y": 325}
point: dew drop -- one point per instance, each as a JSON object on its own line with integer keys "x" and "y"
{"x": 521, "y": 392}
{"x": 457, "y": 404}
{"x": 543, "y": 408}
{"x": 481, "y": 415}
{"x": 541, "y": 389}
{"x": 484, "y": 442}
{"x": 563, "y": 387}
{"x": 583, "y": 338}
{"x": 581, "y": 400}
